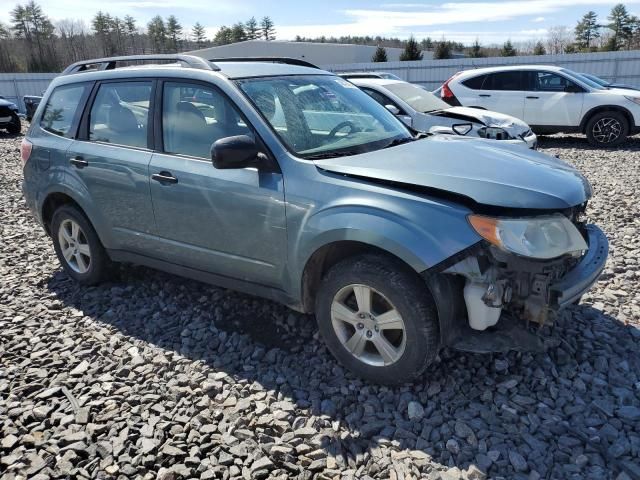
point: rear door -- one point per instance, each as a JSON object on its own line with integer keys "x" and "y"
{"x": 553, "y": 99}
{"x": 501, "y": 92}
{"x": 110, "y": 161}
{"x": 228, "y": 222}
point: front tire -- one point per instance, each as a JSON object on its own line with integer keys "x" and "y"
{"x": 78, "y": 247}
{"x": 378, "y": 319}
{"x": 607, "y": 129}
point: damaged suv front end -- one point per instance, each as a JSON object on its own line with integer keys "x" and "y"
{"x": 529, "y": 267}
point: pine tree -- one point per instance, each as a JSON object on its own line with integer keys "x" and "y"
{"x": 621, "y": 25}
{"x": 539, "y": 49}
{"x": 157, "y": 31}
{"x": 411, "y": 51}
{"x": 198, "y": 34}
{"x": 442, "y": 50}
{"x": 174, "y": 33}
{"x": 587, "y": 30}
{"x": 380, "y": 55}
{"x": 508, "y": 50}
{"x": 476, "y": 50}
{"x": 251, "y": 29}
{"x": 267, "y": 28}
{"x": 238, "y": 33}
{"x": 223, "y": 36}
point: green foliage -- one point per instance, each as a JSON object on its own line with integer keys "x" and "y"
{"x": 157, "y": 31}
{"x": 238, "y": 33}
{"x": 621, "y": 24}
{"x": 251, "y": 29}
{"x": 174, "y": 34}
{"x": 411, "y": 51}
{"x": 476, "y": 50}
{"x": 587, "y": 30}
{"x": 267, "y": 28}
{"x": 198, "y": 34}
{"x": 508, "y": 50}
{"x": 442, "y": 51}
{"x": 539, "y": 49}
{"x": 380, "y": 55}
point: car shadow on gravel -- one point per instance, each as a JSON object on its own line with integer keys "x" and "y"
{"x": 580, "y": 142}
{"x": 571, "y": 411}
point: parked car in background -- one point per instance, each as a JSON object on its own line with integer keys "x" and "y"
{"x": 605, "y": 83}
{"x": 9, "y": 116}
{"x": 31, "y": 103}
{"x": 550, "y": 99}
{"x": 424, "y": 112}
{"x": 288, "y": 182}
{"x": 385, "y": 75}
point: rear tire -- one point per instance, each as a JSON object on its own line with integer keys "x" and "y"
{"x": 378, "y": 318}
{"x": 78, "y": 247}
{"x": 15, "y": 127}
{"x": 607, "y": 129}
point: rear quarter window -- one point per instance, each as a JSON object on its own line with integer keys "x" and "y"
{"x": 475, "y": 83}
{"x": 61, "y": 109}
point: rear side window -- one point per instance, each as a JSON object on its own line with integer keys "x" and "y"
{"x": 475, "y": 83}
{"x": 509, "y": 81}
{"x": 61, "y": 109}
{"x": 120, "y": 114}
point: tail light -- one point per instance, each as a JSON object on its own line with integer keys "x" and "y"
{"x": 25, "y": 150}
{"x": 447, "y": 95}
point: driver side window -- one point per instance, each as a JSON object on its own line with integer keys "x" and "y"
{"x": 551, "y": 82}
{"x": 195, "y": 116}
{"x": 381, "y": 99}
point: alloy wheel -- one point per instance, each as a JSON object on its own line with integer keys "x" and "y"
{"x": 74, "y": 246}
{"x": 607, "y": 130}
{"x": 368, "y": 325}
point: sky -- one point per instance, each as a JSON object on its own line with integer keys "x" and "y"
{"x": 491, "y": 21}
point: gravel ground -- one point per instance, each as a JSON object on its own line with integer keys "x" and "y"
{"x": 152, "y": 376}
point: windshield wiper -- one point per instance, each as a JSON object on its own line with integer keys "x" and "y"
{"x": 320, "y": 156}
{"x": 398, "y": 141}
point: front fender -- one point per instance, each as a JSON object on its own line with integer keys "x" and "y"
{"x": 422, "y": 234}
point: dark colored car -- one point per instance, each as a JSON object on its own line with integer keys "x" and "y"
{"x": 31, "y": 103}
{"x": 9, "y": 118}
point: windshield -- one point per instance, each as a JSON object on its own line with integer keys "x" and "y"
{"x": 322, "y": 116}
{"x": 418, "y": 98}
{"x": 583, "y": 79}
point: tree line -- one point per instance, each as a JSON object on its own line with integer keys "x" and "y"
{"x": 32, "y": 42}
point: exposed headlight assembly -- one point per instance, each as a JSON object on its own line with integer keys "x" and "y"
{"x": 494, "y": 133}
{"x": 536, "y": 237}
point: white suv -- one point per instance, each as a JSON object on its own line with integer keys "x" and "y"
{"x": 550, "y": 99}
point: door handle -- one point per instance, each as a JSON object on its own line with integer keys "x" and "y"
{"x": 533, "y": 98}
{"x": 78, "y": 162}
{"x": 484, "y": 95}
{"x": 164, "y": 177}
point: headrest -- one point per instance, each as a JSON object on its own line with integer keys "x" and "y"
{"x": 121, "y": 119}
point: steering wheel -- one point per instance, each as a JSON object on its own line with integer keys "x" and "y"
{"x": 352, "y": 129}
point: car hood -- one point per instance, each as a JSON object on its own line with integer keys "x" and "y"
{"x": 488, "y": 118}
{"x": 5, "y": 103}
{"x": 488, "y": 174}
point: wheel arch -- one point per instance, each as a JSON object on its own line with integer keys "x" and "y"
{"x": 606, "y": 108}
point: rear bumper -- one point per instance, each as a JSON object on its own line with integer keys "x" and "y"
{"x": 580, "y": 279}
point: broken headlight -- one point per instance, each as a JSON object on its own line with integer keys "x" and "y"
{"x": 494, "y": 133}
{"x": 536, "y": 237}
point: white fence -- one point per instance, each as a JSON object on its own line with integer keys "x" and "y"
{"x": 13, "y": 86}
{"x": 623, "y": 67}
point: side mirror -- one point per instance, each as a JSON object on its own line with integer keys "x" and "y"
{"x": 393, "y": 109}
{"x": 239, "y": 151}
{"x": 573, "y": 89}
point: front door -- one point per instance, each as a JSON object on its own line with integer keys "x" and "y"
{"x": 553, "y": 100}
{"x": 228, "y": 222}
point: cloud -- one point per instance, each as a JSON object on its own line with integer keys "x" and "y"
{"x": 538, "y": 19}
{"x": 402, "y": 19}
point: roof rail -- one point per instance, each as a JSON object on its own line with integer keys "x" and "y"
{"x": 287, "y": 60}
{"x": 109, "y": 63}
